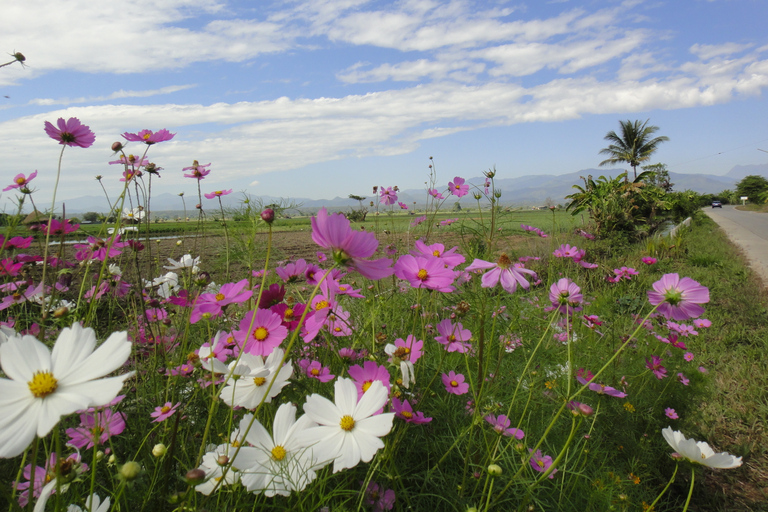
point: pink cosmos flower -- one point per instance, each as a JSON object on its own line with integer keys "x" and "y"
{"x": 164, "y": 412}
{"x": 671, "y": 414}
{"x": 44, "y": 475}
{"x": 199, "y": 172}
{"x": 364, "y": 376}
{"x": 457, "y": 187}
{"x": 586, "y": 235}
{"x": 408, "y": 349}
{"x": 418, "y": 220}
{"x": 453, "y": 337}
{"x": 58, "y": 228}
{"x": 261, "y": 332}
{"x": 565, "y": 296}
{"x": 96, "y": 428}
{"x": 648, "y": 260}
{"x": 217, "y": 193}
{"x": 541, "y": 463}
{"x": 420, "y": 272}
{"x": 688, "y": 356}
{"x": 454, "y": 383}
{"x": 213, "y": 304}
{"x": 501, "y": 425}
{"x": 624, "y": 273}
{"x": 566, "y": 251}
{"x": 70, "y": 133}
{"x": 21, "y": 181}
{"x": 387, "y": 195}
{"x": 149, "y": 137}
{"x": 584, "y": 376}
{"x": 702, "y": 323}
{"x": 96, "y": 249}
{"x": 378, "y": 498}
{"x": 448, "y": 222}
{"x": 683, "y": 379}
{"x": 316, "y": 370}
{"x": 404, "y": 411}
{"x": 292, "y": 272}
{"x": 450, "y": 258}
{"x": 504, "y": 272}
{"x": 656, "y": 367}
{"x": 434, "y": 193}
{"x": 349, "y": 247}
{"x": 678, "y": 299}
{"x": 532, "y": 229}
{"x": 402, "y": 205}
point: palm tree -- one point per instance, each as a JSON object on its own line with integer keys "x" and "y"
{"x": 634, "y": 146}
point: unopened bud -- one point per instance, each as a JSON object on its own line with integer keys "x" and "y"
{"x": 195, "y": 476}
{"x": 223, "y": 460}
{"x": 268, "y": 215}
{"x": 117, "y": 146}
{"x": 494, "y": 470}
{"x": 19, "y": 56}
{"x": 60, "y": 312}
{"x": 159, "y": 450}
{"x": 130, "y": 471}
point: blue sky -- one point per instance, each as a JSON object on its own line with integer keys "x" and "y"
{"x": 330, "y": 97}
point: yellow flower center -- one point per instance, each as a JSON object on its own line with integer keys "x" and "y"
{"x": 278, "y": 452}
{"x": 540, "y": 463}
{"x": 43, "y": 384}
{"x": 260, "y": 334}
{"x": 347, "y": 423}
{"x": 315, "y": 372}
{"x": 20, "y": 180}
{"x": 164, "y": 409}
{"x": 147, "y": 136}
{"x": 422, "y": 275}
{"x": 288, "y": 315}
{"x": 366, "y": 385}
{"x": 406, "y": 414}
{"x": 435, "y": 253}
{"x": 220, "y": 296}
{"x": 454, "y": 384}
{"x": 504, "y": 261}
{"x": 217, "y": 192}
{"x": 451, "y": 338}
{"x": 321, "y": 305}
{"x": 259, "y": 381}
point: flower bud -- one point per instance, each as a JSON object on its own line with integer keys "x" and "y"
{"x": 159, "y": 450}
{"x": 112, "y": 459}
{"x": 223, "y": 460}
{"x": 268, "y": 215}
{"x": 130, "y": 471}
{"x": 19, "y": 56}
{"x": 60, "y": 312}
{"x": 179, "y": 242}
{"x": 494, "y": 470}
{"x": 195, "y": 476}
{"x": 117, "y": 146}
{"x": 99, "y": 455}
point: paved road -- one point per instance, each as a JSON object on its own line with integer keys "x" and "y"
{"x": 748, "y": 230}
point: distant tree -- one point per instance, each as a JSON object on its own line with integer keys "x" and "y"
{"x": 658, "y": 176}
{"x": 91, "y": 217}
{"x": 359, "y": 214}
{"x": 634, "y": 145}
{"x": 457, "y": 206}
{"x": 752, "y": 186}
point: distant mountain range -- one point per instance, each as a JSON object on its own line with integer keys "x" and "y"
{"x": 525, "y": 191}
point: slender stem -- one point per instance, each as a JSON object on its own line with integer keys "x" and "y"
{"x": 690, "y": 491}
{"x": 48, "y": 231}
{"x": 665, "y": 488}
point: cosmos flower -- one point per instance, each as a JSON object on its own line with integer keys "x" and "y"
{"x": 404, "y": 411}
{"x": 163, "y": 412}
{"x": 678, "y": 299}
{"x": 71, "y": 132}
{"x": 261, "y": 332}
{"x": 198, "y": 172}
{"x": 504, "y": 272}
{"x": 251, "y": 377}
{"x": 349, "y": 247}
{"x": 364, "y": 376}
{"x": 43, "y": 386}
{"x": 276, "y": 463}
{"x": 457, "y": 187}
{"x": 214, "y": 469}
{"x": 316, "y": 370}
{"x": 648, "y": 260}
{"x": 387, "y": 196}
{"x": 434, "y": 193}
{"x": 566, "y": 296}
{"x": 541, "y": 463}
{"x": 454, "y": 383}
{"x": 421, "y": 272}
{"x": 656, "y": 367}
{"x": 217, "y": 193}
{"x": 671, "y": 414}
{"x": 348, "y": 430}
{"x": 501, "y": 425}
{"x": 149, "y": 137}
{"x": 21, "y": 181}
{"x": 378, "y": 498}
{"x": 699, "y": 452}
{"x": 450, "y": 258}
{"x": 454, "y": 337}
{"x": 96, "y": 428}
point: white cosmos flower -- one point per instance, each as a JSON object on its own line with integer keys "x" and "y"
{"x": 249, "y": 380}
{"x": 43, "y": 386}
{"x": 214, "y": 463}
{"x": 93, "y": 504}
{"x": 277, "y": 463}
{"x": 186, "y": 261}
{"x": 699, "y": 452}
{"x": 348, "y": 430}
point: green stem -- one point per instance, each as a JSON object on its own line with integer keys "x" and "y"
{"x": 690, "y": 491}
{"x": 665, "y": 488}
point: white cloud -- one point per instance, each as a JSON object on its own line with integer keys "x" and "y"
{"x": 708, "y": 51}
{"x": 115, "y": 95}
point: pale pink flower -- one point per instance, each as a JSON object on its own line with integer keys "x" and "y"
{"x": 678, "y": 299}
{"x": 163, "y": 412}
{"x": 504, "y": 272}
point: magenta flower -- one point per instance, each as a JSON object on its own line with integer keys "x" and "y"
{"x": 316, "y": 370}
{"x": 57, "y": 228}
{"x": 404, "y": 411}
{"x": 501, "y": 425}
{"x": 683, "y": 379}
{"x": 702, "y": 323}
{"x": 387, "y": 196}
{"x": 378, "y": 498}
{"x": 688, "y": 356}
{"x": 671, "y": 414}
{"x": 71, "y": 132}
{"x": 565, "y": 296}
{"x": 164, "y": 412}
{"x": 418, "y": 220}
{"x": 541, "y": 463}
{"x": 96, "y": 428}
{"x": 402, "y": 205}
{"x": 349, "y": 247}
{"x": 453, "y": 336}
{"x": 450, "y": 258}
{"x": 21, "y": 181}
{"x": 584, "y": 376}
{"x": 504, "y": 272}
{"x": 420, "y": 272}
{"x": 217, "y": 193}
{"x": 149, "y": 137}
{"x": 457, "y": 187}
{"x": 364, "y": 376}
{"x": 448, "y": 222}
{"x": 532, "y": 229}
{"x": 678, "y": 299}
{"x": 261, "y": 332}
{"x": 454, "y": 383}
{"x": 656, "y": 367}
{"x": 434, "y": 193}
{"x": 648, "y": 260}
{"x": 199, "y": 172}
{"x": 624, "y": 273}
{"x": 408, "y": 349}
{"x": 566, "y": 251}
{"x": 212, "y": 304}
